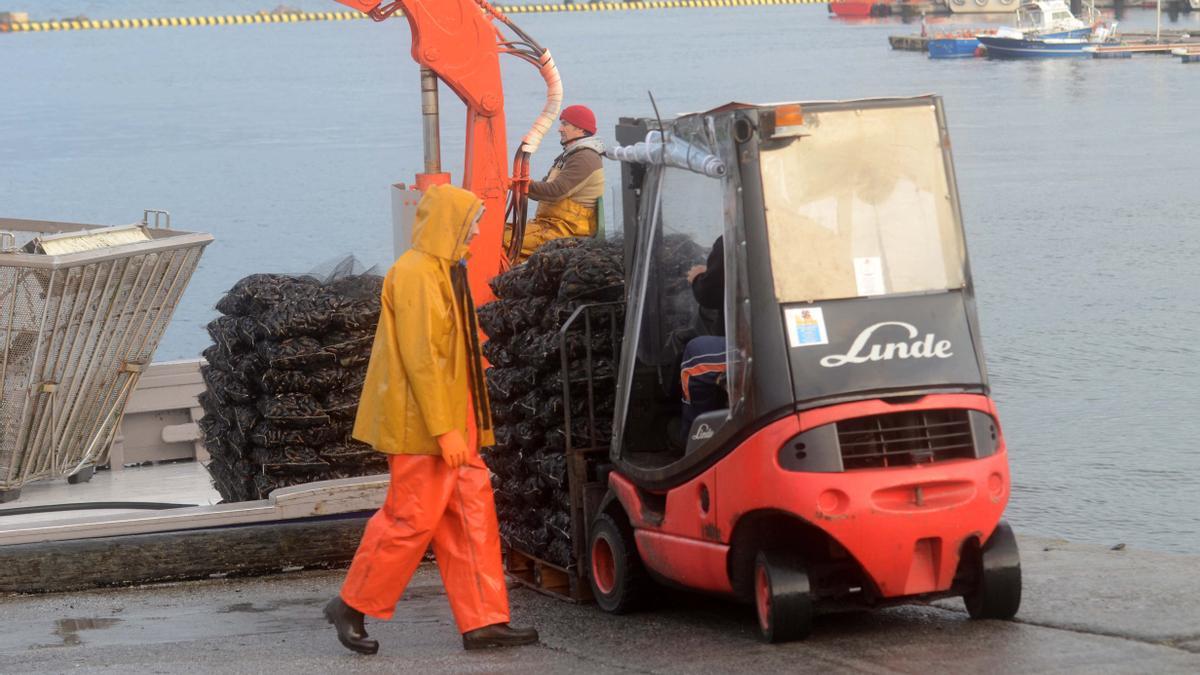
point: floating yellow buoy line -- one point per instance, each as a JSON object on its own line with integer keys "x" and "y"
{"x": 299, "y": 17}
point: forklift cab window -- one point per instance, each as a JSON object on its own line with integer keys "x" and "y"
{"x": 685, "y": 217}
{"x": 862, "y": 209}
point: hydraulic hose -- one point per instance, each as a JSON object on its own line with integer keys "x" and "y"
{"x": 527, "y": 49}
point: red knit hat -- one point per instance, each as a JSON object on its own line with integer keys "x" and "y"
{"x": 579, "y": 116}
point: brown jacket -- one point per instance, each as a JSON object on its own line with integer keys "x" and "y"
{"x": 577, "y": 174}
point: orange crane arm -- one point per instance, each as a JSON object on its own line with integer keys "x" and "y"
{"x": 458, "y": 41}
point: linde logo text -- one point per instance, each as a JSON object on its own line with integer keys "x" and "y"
{"x": 928, "y": 347}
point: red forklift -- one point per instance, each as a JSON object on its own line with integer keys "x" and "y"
{"x": 858, "y": 460}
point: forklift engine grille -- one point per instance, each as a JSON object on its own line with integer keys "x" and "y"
{"x": 905, "y": 439}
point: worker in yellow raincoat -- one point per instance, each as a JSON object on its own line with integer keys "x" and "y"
{"x": 567, "y": 197}
{"x": 424, "y": 404}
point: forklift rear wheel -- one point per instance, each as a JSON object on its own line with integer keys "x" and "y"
{"x": 996, "y": 591}
{"x": 615, "y": 570}
{"x": 782, "y": 598}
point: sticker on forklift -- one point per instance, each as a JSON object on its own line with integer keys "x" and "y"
{"x": 868, "y": 272}
{"x": 806, "y": 326}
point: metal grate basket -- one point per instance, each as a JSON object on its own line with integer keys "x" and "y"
{"x": 77, "y": 328}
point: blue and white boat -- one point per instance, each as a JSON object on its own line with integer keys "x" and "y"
{"x": 1046, "y": 28}
{"x": 953, "y": 46}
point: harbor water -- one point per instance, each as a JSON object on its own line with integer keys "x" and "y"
{"x": 1077, "y": 180}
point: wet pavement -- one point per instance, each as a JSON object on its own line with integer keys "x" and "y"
{"x": 1086, "y": 609}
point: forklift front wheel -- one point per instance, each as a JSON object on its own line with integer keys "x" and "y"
{"x": 615, "y": 570}
{"x": 996, "y": 591}
{"x": 782, "y": 597}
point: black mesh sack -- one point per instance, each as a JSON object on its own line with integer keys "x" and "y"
{"x": 561, "y": 499}
{"x": 502, "y": 462}
{"x": 552, "y": 414}
{"x": 341, "y": 403}
{"x": 531, "y": 491}
{"x": 507, "y": 383}
{"x": 548, "y": 267}
{"x": 503, "y": 318}
{"x": 529, "y": 406}
{"x": 515, "y": 283}
{"x": 362, "y": 294}
{"x": 265, "y": 484}
{"x": 301, "y": 316}
{"x": 529, "y": 435}
{"x": 232, "y": 479}
{"x": 215, "y": 410}
{"x": 506, "y": 435}
{"x": 290, "y": 460}
{"x": 224, "y": 386}
{"x": 267, "y": 434}
{"x": 247, "y": 367}
{"x": 245, "y": 419}
{"x": 316, "y": 382}
{"x": 553, "y": 471}
{"x": 559, "y": 552}
{"x": 217, "y": 357}
{"x": 344, "y": 343}
{"x": 224, "y": 333}
{"x": 497, "y": 354}
{"x": 353, "y": 454}
{"x": 603, "y": 379}
{"x": 249, "y": 331}
{"x": 595, "y": 275}
{"x": 297, "y": 353}
{"x": 260, "y": 292}
{"x": 555, "y": 440}
{"x": 292, "y": 409}
{"x": 559, "y": 525}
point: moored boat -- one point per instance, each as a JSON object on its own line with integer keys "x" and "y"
{"x": 1016, "y": 47}
{"x": 953, "y": 47}
{"x": 860, "y": 9}
{"x": 959, "y": 45}
{"x": 1047, "y": 28}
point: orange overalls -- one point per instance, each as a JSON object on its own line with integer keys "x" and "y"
{"x": 428, "y": 502}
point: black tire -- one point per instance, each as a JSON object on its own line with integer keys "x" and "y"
{"x": 995, "y": 592}
{"x": 615, "y": 571}
{"x": 782, "y": 598}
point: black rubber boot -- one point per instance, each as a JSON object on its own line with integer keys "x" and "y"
{"x": 349, "y": 624}
{"x": 498, "y": 635}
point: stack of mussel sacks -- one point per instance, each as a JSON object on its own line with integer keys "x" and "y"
{"x": 525, "y": 384}
{"x": 284, "y": 375}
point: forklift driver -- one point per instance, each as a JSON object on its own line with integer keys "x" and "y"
{"x": 702, "y": 374}
{"x": 568, "y": 195}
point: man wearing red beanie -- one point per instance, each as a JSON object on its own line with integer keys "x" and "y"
{"x": 567, "y": 196}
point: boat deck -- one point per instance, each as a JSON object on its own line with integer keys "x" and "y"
{"x": 181, "y": 482}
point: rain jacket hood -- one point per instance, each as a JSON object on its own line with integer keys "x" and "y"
{"x": 444, "y": 217}
{"x": 425, "y": 377}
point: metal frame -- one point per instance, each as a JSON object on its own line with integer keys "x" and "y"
{"x": 585, "y": 489}
{"x": 78, "y": 329}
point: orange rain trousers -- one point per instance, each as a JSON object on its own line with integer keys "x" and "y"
{"x": 428, "y": 502}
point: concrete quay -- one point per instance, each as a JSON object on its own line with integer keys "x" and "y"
{"x": 1086, "y": 609}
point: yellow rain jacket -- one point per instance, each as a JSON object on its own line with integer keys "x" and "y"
{"x": 425, "y": 368}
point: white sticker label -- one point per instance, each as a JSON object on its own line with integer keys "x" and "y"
{"x": 806, "y": 326}
{"x": 868, "y": 272}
